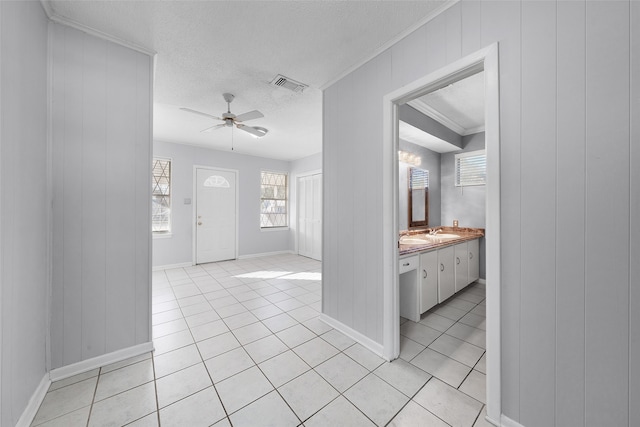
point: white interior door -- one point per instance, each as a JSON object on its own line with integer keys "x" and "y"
{"x": 215, "y": 215}
{"x": 310, "y": 216}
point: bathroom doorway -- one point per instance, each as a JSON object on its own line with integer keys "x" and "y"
{"x": 484, "y": 60}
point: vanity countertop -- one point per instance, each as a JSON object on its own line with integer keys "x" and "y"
{"x": 463, "y": 234}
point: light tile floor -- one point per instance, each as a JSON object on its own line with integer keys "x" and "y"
{"x": 239, "y": 343}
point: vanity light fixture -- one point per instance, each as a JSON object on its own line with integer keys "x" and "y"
{"x": 409, "y": 158}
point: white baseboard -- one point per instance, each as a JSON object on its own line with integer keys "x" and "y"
{"x": 37, "y": 397}
{"x": 170, "y": 266}
{"x": 96, "y": 362}
{"x": 264, "y": 254}
{"x": 482, "y": 281}
{"x": 353, "y": 334}
{"x": 508, "y": 422}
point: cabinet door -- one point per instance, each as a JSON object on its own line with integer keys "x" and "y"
{"x": 408, "y": 288}
{"x": 462, "y": 266}
{"x": 473, "y": 247}
{"x": 428, "y": 280}
{"x": 446, "y": 273}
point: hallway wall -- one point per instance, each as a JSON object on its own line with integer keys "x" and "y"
{"x": 24, "y": 205}
{"x": 101, "y": 136}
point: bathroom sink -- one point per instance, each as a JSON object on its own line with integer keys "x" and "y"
{"x": 413, "y": 240}
{"x": 426, "y": 239}
{"x": 443, "y": 236}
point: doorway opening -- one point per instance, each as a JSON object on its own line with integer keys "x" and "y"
{"x": 484, "y": 60}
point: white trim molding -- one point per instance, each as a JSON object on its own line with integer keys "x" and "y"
{"x": 263, "y": 254}
{"x": 505, "y": 422}
{"x": 485, "y": 59}
{"x": 436, "y": 115}
{"x": 436, "y": 12}
{"x": 53, "y": 16}
{"x": 35, "y": 401}
{"x": 99, "y": 361}
{"x": 170, "y": 266}
{"x": 354, "y": 335}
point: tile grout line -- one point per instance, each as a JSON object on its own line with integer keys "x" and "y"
{"x": 155, "y": 387}
{"x": 95, "y": 390}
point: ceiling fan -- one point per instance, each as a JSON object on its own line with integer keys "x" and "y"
{"x": 231, "y": 119}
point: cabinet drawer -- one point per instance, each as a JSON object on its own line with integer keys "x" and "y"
{"x": 408, "y": 264}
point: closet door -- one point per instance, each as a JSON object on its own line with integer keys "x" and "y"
{"x": 310, "y": 216}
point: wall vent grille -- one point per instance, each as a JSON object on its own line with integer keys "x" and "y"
{"x": 287, "y": 83}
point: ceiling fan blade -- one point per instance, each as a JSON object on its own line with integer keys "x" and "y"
{"x": 255, "y": 114}
{"x": 258, "y": 132}
{"x": 189, "y": 110}
{"x": 212, "y": 128}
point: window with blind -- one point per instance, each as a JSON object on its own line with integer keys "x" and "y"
{"x": 161, "y": 196}
{"x": 274, "y": 200}
{"x": 471, "y": 168}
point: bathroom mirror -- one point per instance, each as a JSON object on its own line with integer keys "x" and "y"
{"x": 418, "y": 197}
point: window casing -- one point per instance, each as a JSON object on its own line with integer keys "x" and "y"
{"x": 274, "y": 200}
{"x": 161, "y": 196}
{"x": 471, "y": 168}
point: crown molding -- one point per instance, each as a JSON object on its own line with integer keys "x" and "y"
{"x": 436, "y": 115}
{"x": 390, "y": 43}
{"x": 476, "y": 129}
{"x": 54, "y": 17}
{"x": 46, "y": 5}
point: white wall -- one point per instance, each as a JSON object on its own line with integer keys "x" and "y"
{"x": 570, "y": 126}
{"x": 177, "y": 249}
{"x": 24, "y": 206}
{"x": 101, "y": 115}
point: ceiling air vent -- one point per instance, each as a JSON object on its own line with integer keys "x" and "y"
{"x": 287, "y": 83}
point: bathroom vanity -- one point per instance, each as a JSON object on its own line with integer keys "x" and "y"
{"x": 433, "y": 267}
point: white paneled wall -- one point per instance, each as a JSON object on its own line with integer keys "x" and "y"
{"x": 634, "y": 223}
{"x": 569, "y": 102}
{"x": 607, "y": 203}
{"x": 570, "y": 227}
{"x": 101, "y": 115}
{"x": 24, "y": 207}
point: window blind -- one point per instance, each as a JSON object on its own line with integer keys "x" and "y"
{"x": 471, "y": 168}
{"x": 419, "y": 179}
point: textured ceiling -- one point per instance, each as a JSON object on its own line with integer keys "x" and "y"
{"x": 206, "y": 48}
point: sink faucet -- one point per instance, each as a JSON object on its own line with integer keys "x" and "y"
{"x": 434, "y": 232}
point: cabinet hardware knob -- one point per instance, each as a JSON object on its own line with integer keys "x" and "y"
{"x": 424, "y": 274}
{"x": 199, "y": 223}
{"x": 457, "y": 260}
{"x": 470, "y": 255}
{"x": 441, "y": 267}
{"x": 406, "y": 264}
